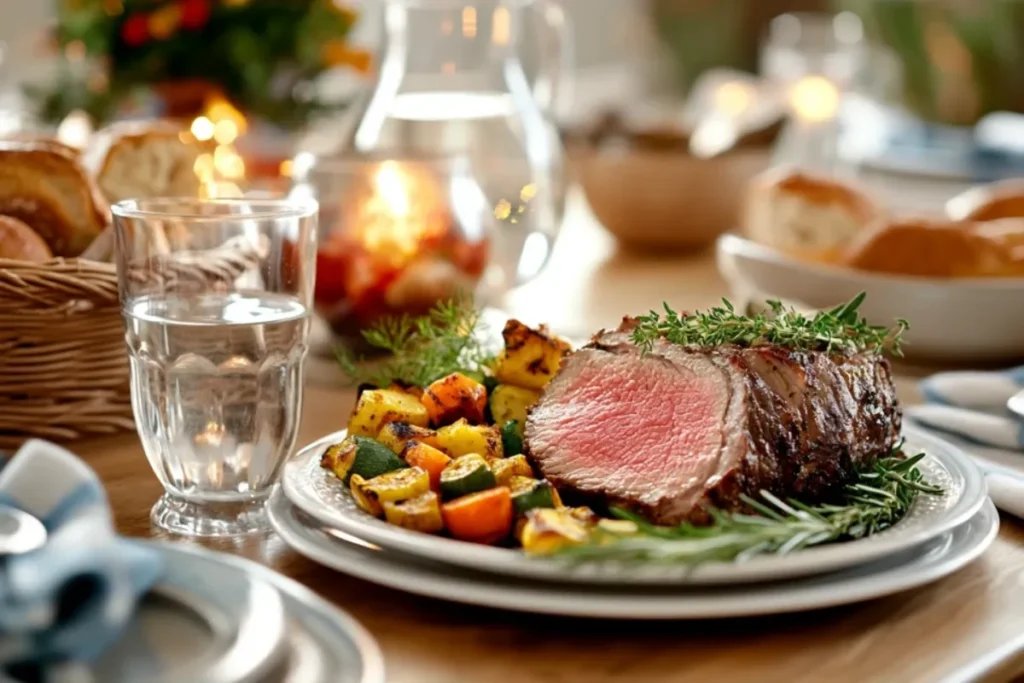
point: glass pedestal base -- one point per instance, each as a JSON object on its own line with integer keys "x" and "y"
{"x": 179, "y": 516}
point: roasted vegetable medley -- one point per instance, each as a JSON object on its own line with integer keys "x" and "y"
{"x": 447, "y": 458}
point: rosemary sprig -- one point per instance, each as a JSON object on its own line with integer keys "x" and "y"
{"x": 878, "y": 499}
{"x": 423, "y": 349}
{"x": 839, "y": 329}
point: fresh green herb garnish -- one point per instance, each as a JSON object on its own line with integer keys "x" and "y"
{"x": 878, "y": 499}
{"x": 840, "y": 329}
{"x": 423, "y": 349}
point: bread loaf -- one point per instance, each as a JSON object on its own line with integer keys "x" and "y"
{"x": 142, "y": 160}
{"x": 804, "y": 215}
{"x": 18, "y": 241}
{"x": 941, "y": 249}
{"x": 47, "y": 189}
{"x": 989, "y": 202}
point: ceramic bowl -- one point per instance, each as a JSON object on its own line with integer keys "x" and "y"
{"x": 955, "y": 320}
{"x": 665, "y": 199}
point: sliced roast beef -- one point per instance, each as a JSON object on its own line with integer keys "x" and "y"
{"x": 676, "y": 430}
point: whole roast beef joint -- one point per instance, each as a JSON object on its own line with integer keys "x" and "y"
{"x": 674, "y": 431}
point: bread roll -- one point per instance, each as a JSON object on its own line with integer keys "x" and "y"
{"x": 808, "y": 216}
{"x": 942, "y": 249}
{"x": 18, "y": 241}
{"x": 47, "y": 189}
{"x": 989, "y": 202}
{"x": 142, "y": 160}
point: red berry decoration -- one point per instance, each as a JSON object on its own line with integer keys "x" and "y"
{"x": 135, "y": 30}
{"x": 194, "y": 13}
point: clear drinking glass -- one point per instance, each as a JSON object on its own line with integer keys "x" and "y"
{"x": 216, "y": 297}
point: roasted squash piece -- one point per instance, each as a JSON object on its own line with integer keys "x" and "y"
{"x": 530, "y": 358}
{"x": 378, "y": 407}
{"x": 422, "y": 513}
{"x": 402, "y": 484}
{"x": 506, "y": 468}
{"x": 428, "y": 458}
{"x": 357, "y": 485}
{"x": 484, "y": 517}
{"x": 465, "y": 475}
{"x": 455, "y": 397}
{"x": 463, "y": 438}
{"x": 509, "y": 403}
{"x": 396, "y": 435}
{"x": 548, "y": 530}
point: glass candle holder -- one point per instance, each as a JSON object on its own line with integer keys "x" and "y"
{"x": 399, "y": 235}
{"x": 216, "y": 296}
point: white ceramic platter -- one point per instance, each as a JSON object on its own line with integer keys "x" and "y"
{"x": 908, "y": 569}
{"x": 962, "y": 320}
{"x": 216, "y": 618}
{"x": 321, "y": 495}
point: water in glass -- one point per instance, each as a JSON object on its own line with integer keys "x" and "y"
{"x": 216, "y": 389}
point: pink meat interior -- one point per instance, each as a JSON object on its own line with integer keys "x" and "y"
{"x": 627, "y": 422}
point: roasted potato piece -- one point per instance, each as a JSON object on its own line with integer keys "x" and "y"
{"x": 548, "y": 530}
{"x": 463, "y": 438}
{"x": 378, "y": 407}
{"x": 530, "y": 358}
{"x": 510, "y": 403}
{"x": 506, "y": 468}
{"x": 395, "y": 435}
{"x": 422, "y": 513}
{"x": 453, "y": 397}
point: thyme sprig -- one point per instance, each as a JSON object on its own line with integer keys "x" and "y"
{"x": 839, "y": 329}
{"x": 422, "y": 349}
{"x": 879, "y": 498}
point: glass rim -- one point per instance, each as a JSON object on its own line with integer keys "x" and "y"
{"x": 263, "y": 208}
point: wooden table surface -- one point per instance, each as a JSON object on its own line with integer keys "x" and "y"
{"x": 928, "y": 634}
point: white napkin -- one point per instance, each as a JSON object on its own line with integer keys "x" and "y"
{"x": 969, "y": 410}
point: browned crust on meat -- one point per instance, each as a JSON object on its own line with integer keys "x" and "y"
{"x": 810, "y": 422}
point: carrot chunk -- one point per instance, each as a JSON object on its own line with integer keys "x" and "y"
{"x": 453, "y": 397}
{"x": 484, "y": 517}
{"x": 428, "y": 458}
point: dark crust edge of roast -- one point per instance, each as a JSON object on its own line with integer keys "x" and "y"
{"x": 824, "y": 485}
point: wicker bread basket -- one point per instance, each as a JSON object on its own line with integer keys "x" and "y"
{"x": 63, "y": 360}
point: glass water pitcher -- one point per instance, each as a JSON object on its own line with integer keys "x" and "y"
{"x": 452, "y": 87}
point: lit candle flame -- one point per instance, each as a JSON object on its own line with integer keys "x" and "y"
{"x": 220, "y": 171}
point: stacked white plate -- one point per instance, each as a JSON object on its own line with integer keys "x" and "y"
{"x": 217, "y": 618}
{"x": 314, "y": 514}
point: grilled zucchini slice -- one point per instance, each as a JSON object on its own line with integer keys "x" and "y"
{"x": 422, "y": 513}
{"x": 362, "y": 456}
{"x": 465, "y": 475}
{"x": 511, "y": 438}
{"x": 529, "y": 494}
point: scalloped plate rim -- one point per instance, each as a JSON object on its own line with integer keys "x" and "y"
{"x": 302, "y": 470}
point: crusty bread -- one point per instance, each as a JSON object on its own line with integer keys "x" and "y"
{"x": 46, "y": 188}
{"x": 943, "y": 249}
{"x": 18, "y": 241}
{"x": 989, "y": 202}
{"x": 142, "y": 160}
{"x": 805, "y": 215}
{"x": 46, "y": 141}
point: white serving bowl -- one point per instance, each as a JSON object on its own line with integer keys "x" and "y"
{"x": 954, "y": 320}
